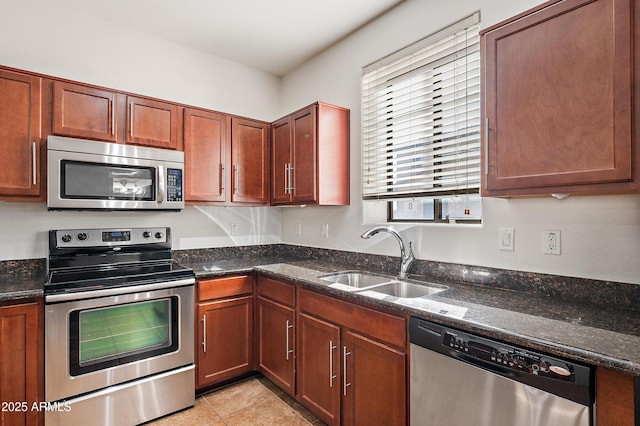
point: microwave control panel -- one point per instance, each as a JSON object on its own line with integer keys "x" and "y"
{"x": 174, "y": 185}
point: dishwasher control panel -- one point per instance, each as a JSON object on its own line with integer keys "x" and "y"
{"x": 507, "y": 356}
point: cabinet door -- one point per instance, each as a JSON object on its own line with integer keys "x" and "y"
{"x": 558, "y": 99}
{"x": 152, "y": 123}
{"x": 205, "y": 141}
{"x": 226, "y": 339}
{"x": 281, "y": 161}
{"x": 249, "y": 156}
{"x": 304, "y": 153}
{"x": 19, "y": 359}
{"x": 276, "y": 337}
{"x": 319, "y": 385}
{"x": 20, "y": 135}
{"x": 615, "y": 398}
{"x": 84, "y": 112}
{"x": 375, "y": 385}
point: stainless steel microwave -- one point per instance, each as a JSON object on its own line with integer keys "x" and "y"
{"x": 90, "y": 175}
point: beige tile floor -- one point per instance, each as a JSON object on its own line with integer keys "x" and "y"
{"x": 254, "y": 401}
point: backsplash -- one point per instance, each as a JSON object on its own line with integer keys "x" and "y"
{"x": 578, "y": 290}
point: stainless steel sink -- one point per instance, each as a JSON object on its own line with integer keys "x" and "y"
{"x": 358, "y": 281}
{"x": 406, "y": 290}
{"x": 355, "y": 280}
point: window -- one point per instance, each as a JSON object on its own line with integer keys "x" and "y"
{"x": 421, "y": 127}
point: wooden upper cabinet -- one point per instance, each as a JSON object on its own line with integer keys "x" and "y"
{"x": 20, "y": 137}
{"x": 310, "y": 156}
{"x": 153, "y": 123}
{"x": 558, "y": 104}
{"x": 249, "y": 159}
{"x": 205, "y": 148}
{"x": 84, "y": 112}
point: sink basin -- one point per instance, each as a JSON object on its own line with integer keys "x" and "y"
{"x": 406, "y": 290}
{"x": 354, "y": 280}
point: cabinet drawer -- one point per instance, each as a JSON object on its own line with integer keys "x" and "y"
{"x": 224, "y": 287}
{"x": 386, "y": 327}
{"x": 277, "y": 290}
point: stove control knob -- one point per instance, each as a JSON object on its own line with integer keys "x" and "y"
{"x": 66, "y": 238}
{"x": 82, "y": 236}
{"x": 158, "y": 235}
{"x": 146, "y": 234}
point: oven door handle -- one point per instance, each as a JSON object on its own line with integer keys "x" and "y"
{"x": 92, "y": 294}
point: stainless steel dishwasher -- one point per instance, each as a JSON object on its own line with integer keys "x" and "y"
{"x": 460, "y": 379}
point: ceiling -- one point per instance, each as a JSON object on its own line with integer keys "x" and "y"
{"x": 271, "y": 35}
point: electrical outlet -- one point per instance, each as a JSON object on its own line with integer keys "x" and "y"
{"x": 551, "y": 242}
{"x": 325, "y": 230}
{"x": 234, "y": 229}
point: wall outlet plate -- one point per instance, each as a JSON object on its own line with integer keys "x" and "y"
{"x": 551, "y": 242}
{"x": 505, "y": 239}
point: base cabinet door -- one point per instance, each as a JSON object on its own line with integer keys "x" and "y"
{"x": 319, "y": 384}
{"x": 19, "y": 364}
{"x": 226, "y": 337}
{"x": 374, "y": 382}
{"x": 276, "y": 355}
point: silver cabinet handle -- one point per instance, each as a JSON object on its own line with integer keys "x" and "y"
{"x": 204, "y": 333}
{"x": 113, "y": 116}
{"x": 223, "y": 181}
{"x": 486, "y": 145}
{"x": 34, "y": 156}
{"x": 131, "y": 119}
{"x": 286, "y": 178}
{"x": 288, "y": 351}
{"x": 236, "y": 176}
{"x": 344, "y": 370}
{"x": 290, "y": 179}
{"x": 331, "y": 375}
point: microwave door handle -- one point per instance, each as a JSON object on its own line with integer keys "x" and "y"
{"x": 161, "y": 184}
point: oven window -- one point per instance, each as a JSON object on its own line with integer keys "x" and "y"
{"x": 97, "y": 181}
{"x": 113, "y": 335}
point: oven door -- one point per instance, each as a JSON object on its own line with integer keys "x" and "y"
{"x": 94, "y": 343}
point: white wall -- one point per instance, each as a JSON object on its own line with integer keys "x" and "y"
{"x": 600, "y": 236}
{"x": 43, "y": 36}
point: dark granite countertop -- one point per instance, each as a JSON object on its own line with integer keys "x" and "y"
{"x": 22, "y": 279}
{"x": 598, "y": 334}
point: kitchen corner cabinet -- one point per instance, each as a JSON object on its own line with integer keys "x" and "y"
{"x": 345, "y": 375}
{"x": 224, "y": 343}
{"x": 558, "y": 100}
{"x": 614, "y": 398}
{"x": 275, "y": 340}
{"x": 205, "y": 150}
{"x": 89, "y": 112}
{"x": 249, "y": 172}
{"x": 21, "y": 154}
{"x": 310, "y": 157}
{"x": 21, "y": 363}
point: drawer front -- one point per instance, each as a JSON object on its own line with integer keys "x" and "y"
{"x": 383, "y": 326}
{"x": 224, "y": 287}
{"x": 277, "y": 291}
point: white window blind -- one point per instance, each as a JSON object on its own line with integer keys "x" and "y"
{"x": 421, "y": 117}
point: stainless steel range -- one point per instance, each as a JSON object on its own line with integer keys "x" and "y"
{"x": 119, "y": 327}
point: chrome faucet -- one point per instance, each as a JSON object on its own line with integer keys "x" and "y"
{"x": 406, "y": 258}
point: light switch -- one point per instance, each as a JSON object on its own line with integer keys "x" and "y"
{"x": 505, "y": 239}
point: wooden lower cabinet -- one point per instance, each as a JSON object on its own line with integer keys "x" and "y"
{"x": 224, "y": 344}
{"x": 615, "y": 398}
{"x": 319, "y": 352}
{"x": 344, "y": 374}
{"x": 276, "y": 330}
{"x": 20, "y": 364}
